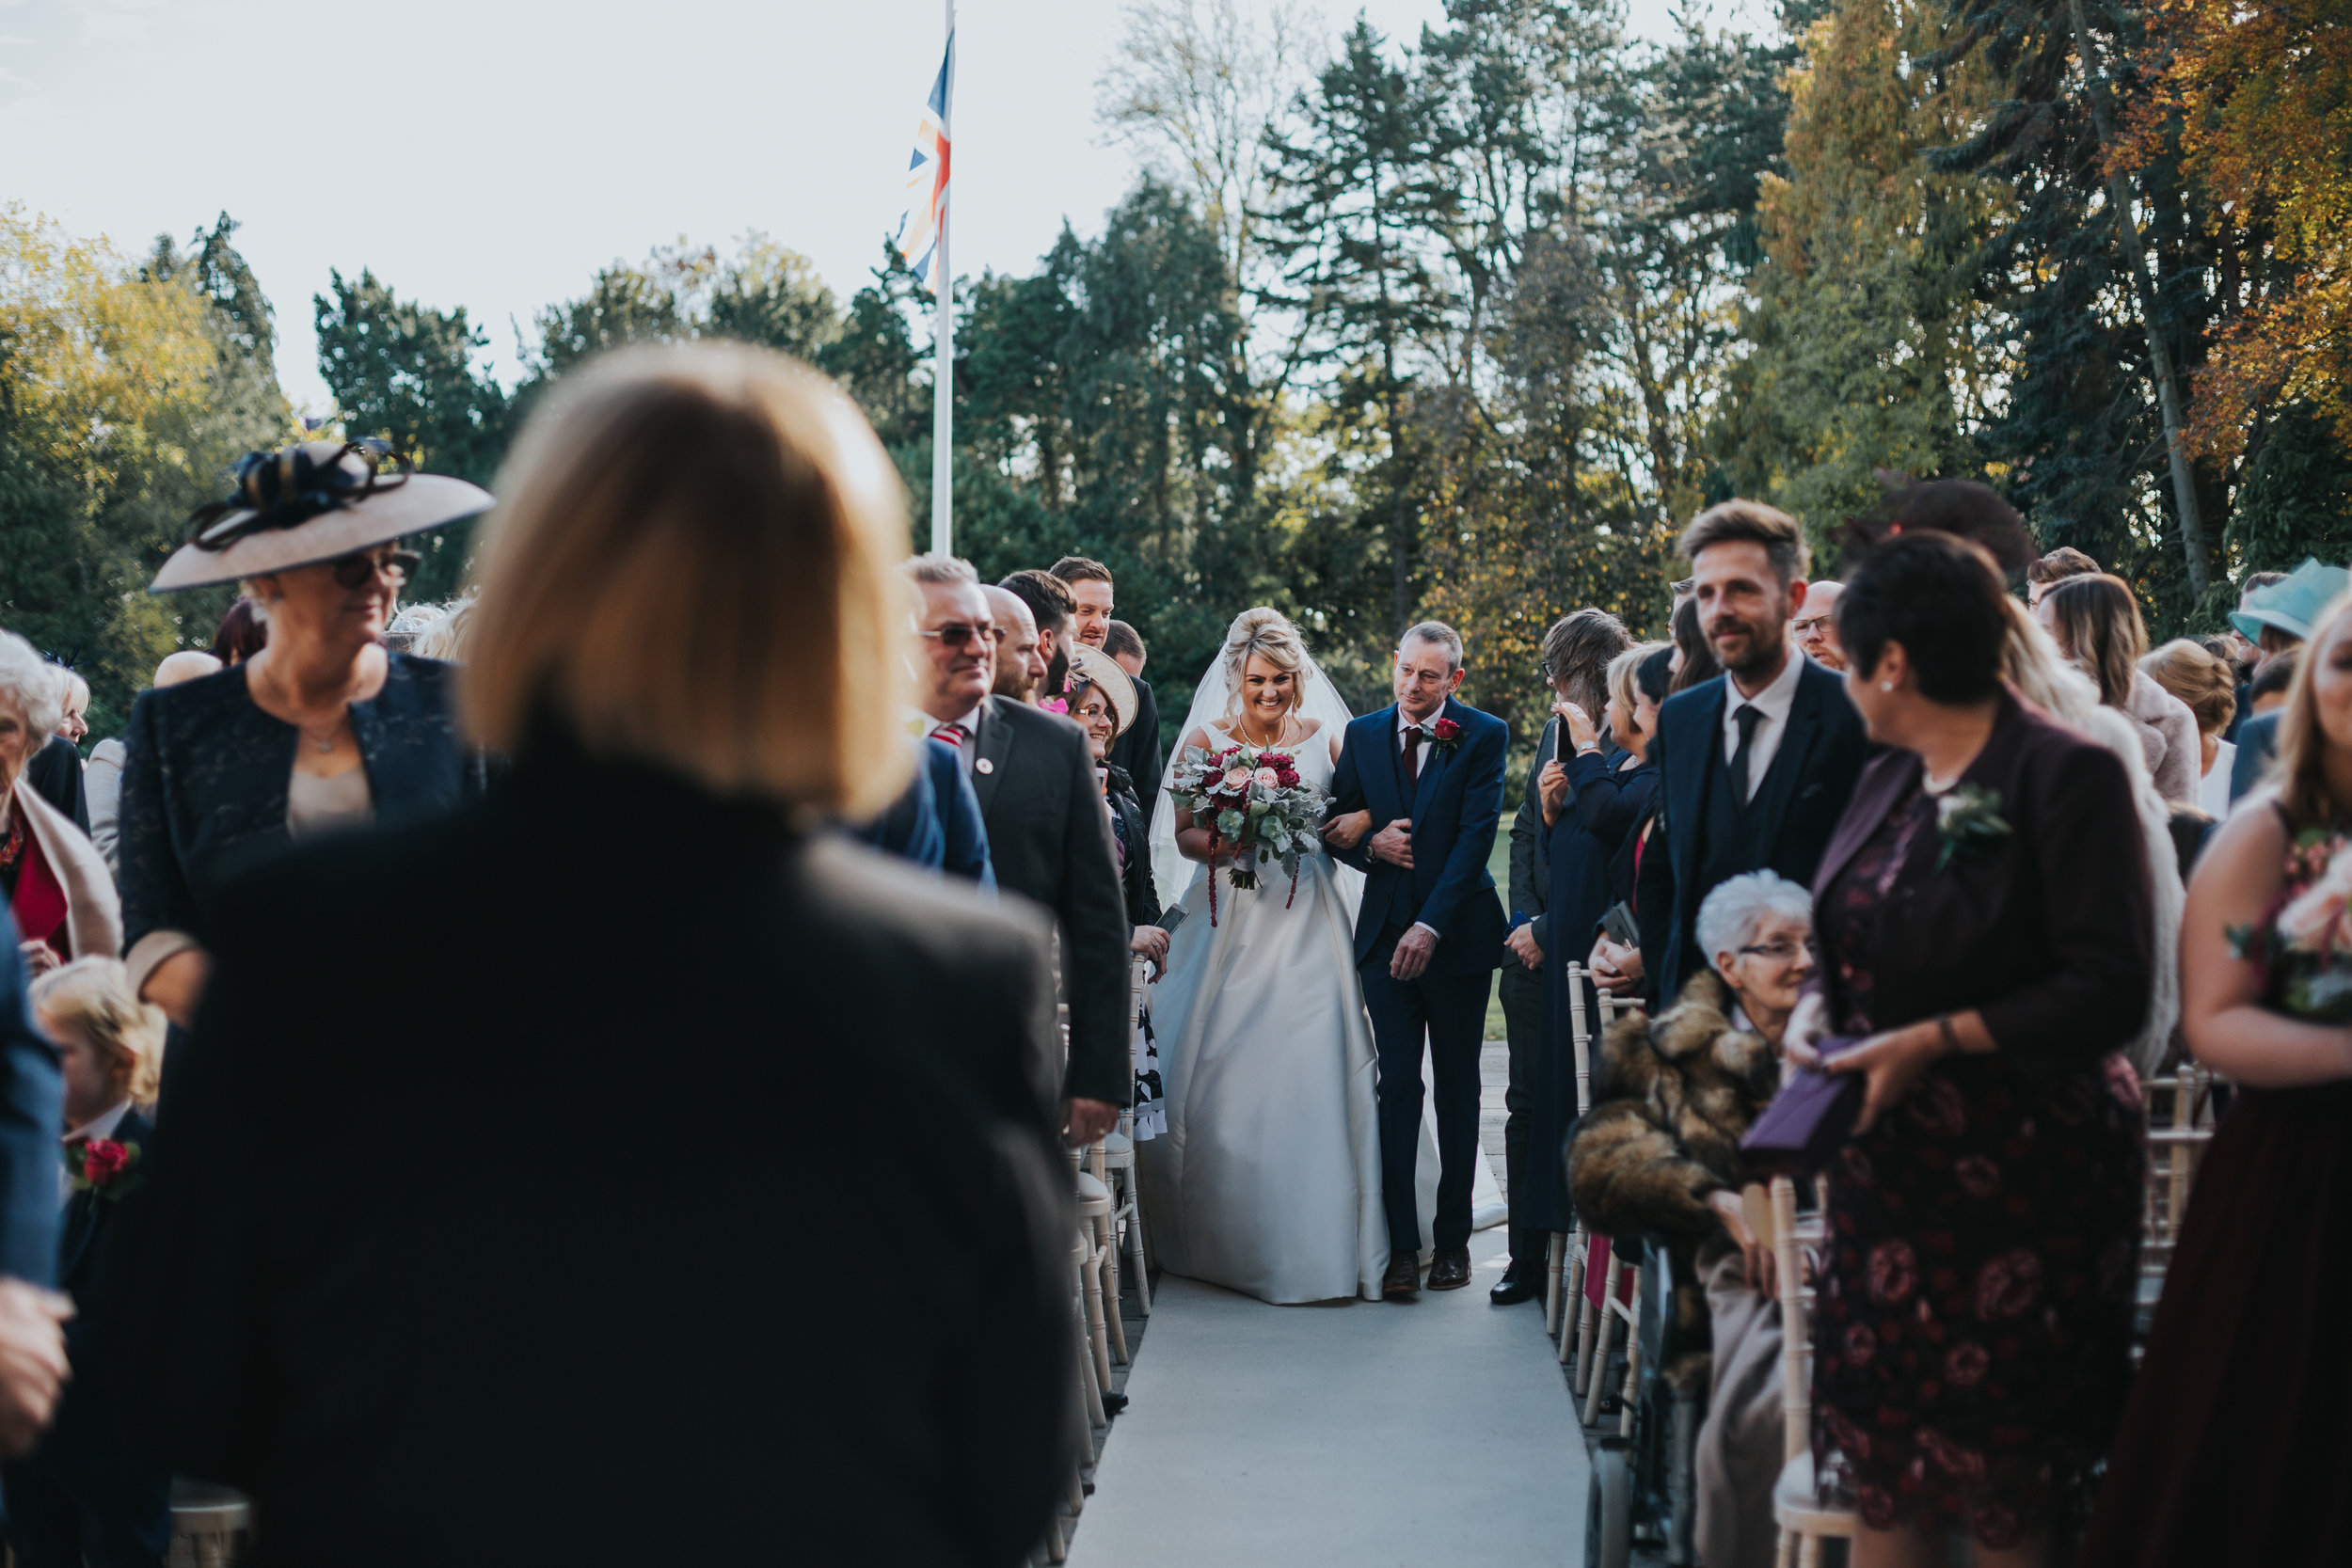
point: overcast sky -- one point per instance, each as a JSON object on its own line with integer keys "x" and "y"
{"x": 494, "y": 153}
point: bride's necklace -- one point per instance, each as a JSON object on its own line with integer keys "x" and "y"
{"x": 1282, "y": 739}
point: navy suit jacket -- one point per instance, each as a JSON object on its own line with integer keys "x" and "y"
{"x": 936, "y": 821}
{"x": 1455, "y": 809}
{"x": 2257, "y": 743}
{"x": 1792, "y": 813}
{"x": 32, "y": 1109}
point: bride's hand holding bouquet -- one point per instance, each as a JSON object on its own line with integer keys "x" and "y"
{"x": 1255, "y": 808}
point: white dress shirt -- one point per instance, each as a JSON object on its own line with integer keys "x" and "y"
{"x": 968, "y": 722}
{"x": 1420, "y": 766}
{"x": 1774, "y": 703}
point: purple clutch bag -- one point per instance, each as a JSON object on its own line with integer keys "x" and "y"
{"x": 1807, "y": 1120}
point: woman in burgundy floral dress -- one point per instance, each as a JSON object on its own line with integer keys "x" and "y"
{"x": 2236, "y": 1443}
{"x": 1986, "y": 928}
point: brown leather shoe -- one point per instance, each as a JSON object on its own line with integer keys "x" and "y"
{"x": 1450, "y": 1269}
{"x": 1403, "y": 1280}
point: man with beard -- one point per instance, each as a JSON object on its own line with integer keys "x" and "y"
{"x": 1137, "y": 747}
{"x": 1051, "y": 608}
{"x": 1019, "y": 667}
{"x": 1757, "y": 763}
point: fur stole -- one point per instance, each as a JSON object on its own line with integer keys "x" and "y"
{"x": 1680, "y": 1091}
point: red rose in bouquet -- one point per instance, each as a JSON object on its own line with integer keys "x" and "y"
{"x": 1254, "y": 800}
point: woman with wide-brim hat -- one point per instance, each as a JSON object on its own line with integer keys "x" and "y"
{"x": 324, "y": 728}
{"x": 1103, "y": 701}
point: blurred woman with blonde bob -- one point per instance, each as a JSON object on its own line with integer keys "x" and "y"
{"x": 593, "y": 1121}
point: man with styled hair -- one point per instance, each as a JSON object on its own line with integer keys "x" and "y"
{"x": 1429, "y": 931}
{"x": 1137, "y": 747}
{"x": 1756, "y": 766}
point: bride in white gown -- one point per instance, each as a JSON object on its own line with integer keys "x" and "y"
{"x": 1267, "y": 1180}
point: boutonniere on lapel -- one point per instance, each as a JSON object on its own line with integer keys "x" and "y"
{"x": 104, "y": 1168}
{"x": 1968, "y": 820}
{"x": 1445, "y": 736}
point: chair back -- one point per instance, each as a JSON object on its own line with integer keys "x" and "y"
{"x": 1581, "y": 1035}
{"x": 2180, "y": 1127}
{"x": 1796, "y": 1334}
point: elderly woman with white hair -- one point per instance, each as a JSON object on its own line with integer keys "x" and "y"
{"x": 1659, "y": 1156}
{"x": 56, "y": 885}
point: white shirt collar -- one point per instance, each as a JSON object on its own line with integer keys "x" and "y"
{"x": 1404, "y": 723}
{"x": 969, "y": 720}
{"x": 1775, "y": 698}
{"x": 104, "y": 1124}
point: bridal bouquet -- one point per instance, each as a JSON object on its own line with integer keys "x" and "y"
{"x": 2306, "y": 944}
{"x": 1252, "y": 798}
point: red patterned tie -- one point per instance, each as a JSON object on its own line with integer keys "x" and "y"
{"x": 951, "y": 734}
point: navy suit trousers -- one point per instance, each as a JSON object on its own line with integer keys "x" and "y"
{"x": 1450, "y": 1011}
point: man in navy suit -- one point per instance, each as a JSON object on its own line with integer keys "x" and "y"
{"x": 1758, "y": 764}
{"x": 32, "y": 1341}
{"x": 1430, "y": 934}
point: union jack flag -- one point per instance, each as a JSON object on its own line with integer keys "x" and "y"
{"x": 925, "y": 219}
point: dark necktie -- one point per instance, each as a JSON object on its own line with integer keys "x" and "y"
{"x": 1747, "y": 717}
{"x": 1412, "y": 755}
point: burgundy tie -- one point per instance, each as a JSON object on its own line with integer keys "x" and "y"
{"x": 1412, "y": 754}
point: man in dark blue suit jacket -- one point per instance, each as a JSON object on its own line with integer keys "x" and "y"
{"x": 1758, "y": 764}
{"x": 32, "y": 1115}
{"x": 1430, "y": 934}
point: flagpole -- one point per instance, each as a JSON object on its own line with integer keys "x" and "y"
{"x": 943, "y": 360}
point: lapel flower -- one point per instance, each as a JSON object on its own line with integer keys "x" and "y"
{"x": 107, "y": 1168}
{"x": 1445, "y": 735}
{"x": 1968, "y": 820}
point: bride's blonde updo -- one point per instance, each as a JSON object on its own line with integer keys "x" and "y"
{"x": 1269, "y": 634}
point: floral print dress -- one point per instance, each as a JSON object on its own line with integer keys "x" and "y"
{"x": 1972, "y": 1337}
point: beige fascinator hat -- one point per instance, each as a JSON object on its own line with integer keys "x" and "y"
{"x": 310, "y": 503}
{"x": 1099, "y": 670}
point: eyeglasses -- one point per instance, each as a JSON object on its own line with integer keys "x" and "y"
{"x": 1779, "y": 952}
{"x": 958, "y": 635}
{"x": 354, "y": 571}
{"x": 1811, "y": 622}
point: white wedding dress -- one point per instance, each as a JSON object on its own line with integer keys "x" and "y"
{"x": 1267, "y": 1180}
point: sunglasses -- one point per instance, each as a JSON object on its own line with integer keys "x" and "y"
{"x": 960, "y": 635}
{"x": 354, "y": 571}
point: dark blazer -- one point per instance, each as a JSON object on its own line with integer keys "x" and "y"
{"x": 2257, "y": 743}
{"x": 1455, "y": 809}
{"x": 205, "y": 780}
{"x": 1138, "y": 749}
{"x": 935, "y": 822}
{"x": 563, "y": 1276}
{"x": 56, "y": 774}
{"x": 2052, "y": 937}
{"x": 1142, "y": 896}
{"x": 82, "y": 1469}
{"x": 1531, "y": 850}
{"x": 1803, "y": 793}
{"x": 32, "y": 1109}
{"x": 1051, "y": 843}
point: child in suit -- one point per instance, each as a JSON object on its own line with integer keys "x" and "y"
{"x": 80, "y": 1496}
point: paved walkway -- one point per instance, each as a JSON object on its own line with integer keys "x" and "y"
{"x": 1364, "y": 1435}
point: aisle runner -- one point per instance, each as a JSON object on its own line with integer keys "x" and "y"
{"x": 1358, "y": 1436}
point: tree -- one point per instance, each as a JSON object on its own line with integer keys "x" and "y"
{"x": 1356, "y": 193}
{"x": 128, "y": 393}
{"x": 413, "y": 375}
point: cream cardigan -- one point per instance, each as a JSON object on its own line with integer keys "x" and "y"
{"x": 93, "y": 920}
